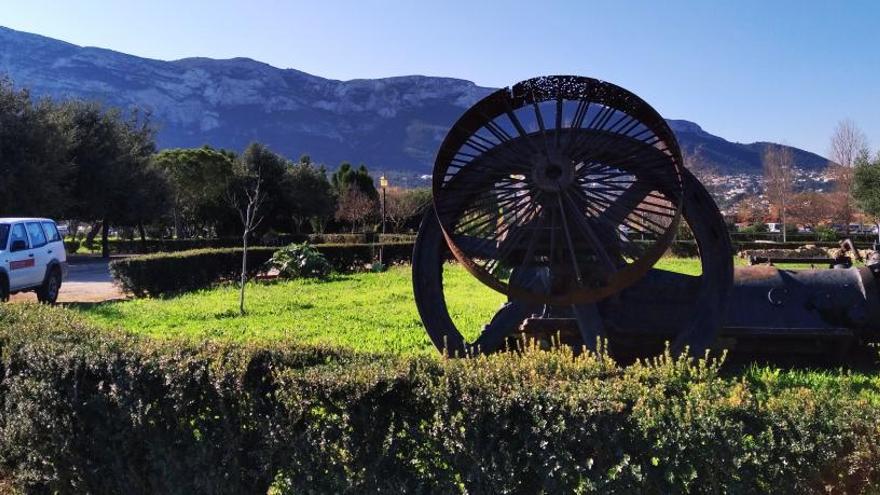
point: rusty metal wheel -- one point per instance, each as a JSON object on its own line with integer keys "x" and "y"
{"x": 570, "y": 175}
{"x": 685, "y": 310}
{"x": 562, "y": 193}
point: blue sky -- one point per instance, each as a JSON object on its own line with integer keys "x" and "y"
{"x": 783, "y": 71}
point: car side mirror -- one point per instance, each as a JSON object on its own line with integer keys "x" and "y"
{"x": 18, "y": 245}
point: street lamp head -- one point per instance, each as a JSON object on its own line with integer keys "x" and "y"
{"x": 383, "y": 182}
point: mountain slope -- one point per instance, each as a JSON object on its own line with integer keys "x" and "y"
{"x": 715, "y": 153}
{"x": 390, "y": 124}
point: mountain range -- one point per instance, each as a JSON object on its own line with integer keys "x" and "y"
{"x": 393, "y": 123}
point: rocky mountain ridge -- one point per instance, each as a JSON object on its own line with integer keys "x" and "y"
{"x": 393, "y": 123}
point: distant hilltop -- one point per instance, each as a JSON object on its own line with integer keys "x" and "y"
{"x": 390, "y": 124}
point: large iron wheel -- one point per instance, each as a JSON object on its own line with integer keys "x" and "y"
{"x": 570, "y": 176}
{"x": 562, "y": 193}
{"x": 692, "y": 306}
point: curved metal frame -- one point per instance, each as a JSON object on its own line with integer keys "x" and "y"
{"x": 588, "y": 180}
{"x": 706, "y": 311}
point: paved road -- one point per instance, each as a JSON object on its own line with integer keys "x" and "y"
{"x": 87, "y": 281}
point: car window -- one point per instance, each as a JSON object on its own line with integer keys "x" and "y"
{"x": 51, "y": 231}
{"x": 38, "y": 238}
{"x": 4, "y": 235}
{"x": 17, "y": 233}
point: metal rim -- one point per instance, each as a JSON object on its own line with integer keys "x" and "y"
{"x": 555, "y": 172}
{"x": 708, "y": 309}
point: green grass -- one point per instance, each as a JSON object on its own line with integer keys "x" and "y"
{"x": 367, "y": 311}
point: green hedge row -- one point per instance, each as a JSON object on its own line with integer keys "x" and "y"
{"x": 171, "y": 273}
{"x": 119, "y": 246}
{"x": 801, "y": 238}
{"x": 90, "y": 411}
{"x": 688, "y": 249}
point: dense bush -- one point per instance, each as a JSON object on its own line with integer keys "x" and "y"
{"x": 341, "y": 238}
{"x": 134, "y": 246}
{"x": 684, "y": 249}
{"x": 170, "y": 273}
{"x": 89, "y": 411}
{"x": 300, "y": 261}
{"x": 821, "y": 234}
{"x": 71, "y": 246}
{"x": 175, "y": 245}
{"x": 396, "y": 238}
{"x": 755, "y": 228}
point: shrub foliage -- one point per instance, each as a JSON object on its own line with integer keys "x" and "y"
{"x": 164, "y": 274}
{"x": 300, "y": 261}
{"x": 83, "y": 410}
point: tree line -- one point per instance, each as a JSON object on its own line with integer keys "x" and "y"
{"x": 853, "y": 172}
{"x": 99, "y": 166}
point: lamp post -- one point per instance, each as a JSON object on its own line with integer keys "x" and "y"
{"x": 383, "y": 183}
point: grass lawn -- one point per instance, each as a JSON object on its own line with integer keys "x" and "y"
{"x": 366, "y": 311}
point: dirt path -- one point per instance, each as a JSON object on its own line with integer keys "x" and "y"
{"x": 87, "y": 281}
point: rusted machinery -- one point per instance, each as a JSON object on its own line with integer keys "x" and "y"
{"x": 563, "y": 192}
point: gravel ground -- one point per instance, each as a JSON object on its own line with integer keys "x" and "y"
{"x": 87, "y": 281}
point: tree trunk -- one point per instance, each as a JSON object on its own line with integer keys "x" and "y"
{"x": 72, "y": 229}
{"x": 90, "y": 236}
{"x": 175, "y": 217}
{"x": 143, "y": 234}
{"x": 244, "y": 252}
{"x": 784, "y": 233}
{"x": 105, "y": 239}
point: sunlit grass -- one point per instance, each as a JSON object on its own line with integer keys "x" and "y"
{"x": 373, "y": 312}
{"x": 368, "y": 311}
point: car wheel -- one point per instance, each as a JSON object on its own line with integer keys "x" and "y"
{"x": 4, "y": 289}
{"x": 48, "y": 292}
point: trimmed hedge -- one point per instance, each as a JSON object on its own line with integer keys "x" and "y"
{"x": 176, "y": 245}
{"x": 164, "y": 274}
{"x": 118, "y": 246}
{"x": 688, "y": 249}
{"x": 71, "y": 246}
{"x": 801, "y": 237}
{"x": 90, "y": 411}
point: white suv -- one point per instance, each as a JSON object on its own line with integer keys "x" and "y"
{"x": 32, "y": 258}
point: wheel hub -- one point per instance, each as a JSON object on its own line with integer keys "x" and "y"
{"x": 552, "y": 171}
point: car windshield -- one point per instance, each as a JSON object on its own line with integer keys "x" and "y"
{"x": 4, "y": 234}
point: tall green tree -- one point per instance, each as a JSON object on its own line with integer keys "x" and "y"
{"x": 309, "y": 194}
{"x": 347, "y": 176}
{"x": 259, "y": 160}
{"x": 198, "y": 178}
{"x": 866, "y": 186}
{"x": 110, "y": 152}
{"x": 34, "y": 166}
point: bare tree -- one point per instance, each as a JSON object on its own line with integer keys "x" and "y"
{"x": 248, "y": 209}
{"x": 404, "y": 204}
{"x": 848, "y": 143}
{"x": 810, "y": 208}
{"x": 355, "y": 207}
{"x": 779, "y": 175}
{"x": 750, "y": 210}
